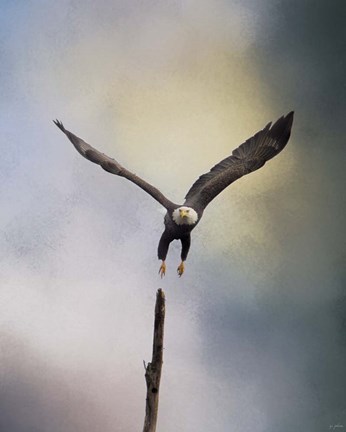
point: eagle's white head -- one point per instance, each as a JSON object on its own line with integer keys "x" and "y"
{"x": 185, "y": 216}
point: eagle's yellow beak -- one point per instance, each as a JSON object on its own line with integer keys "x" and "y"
{"x": 183, "y": 213}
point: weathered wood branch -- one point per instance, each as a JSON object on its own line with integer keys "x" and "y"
{"x": 153, "y": 369}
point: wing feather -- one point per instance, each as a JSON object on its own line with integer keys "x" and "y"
{"x": 248, "y": 157}
{"x": 112, "y": 166}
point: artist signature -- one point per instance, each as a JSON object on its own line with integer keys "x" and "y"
{"x": 336, "y": 426}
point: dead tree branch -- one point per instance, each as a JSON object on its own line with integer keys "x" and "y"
{"x": 153, "y": 369}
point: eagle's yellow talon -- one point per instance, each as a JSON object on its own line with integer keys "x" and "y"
{"x": 162, "y": 270}
{"x": 181, "y": 269}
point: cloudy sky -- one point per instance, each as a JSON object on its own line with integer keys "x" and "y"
{"x": 255, "y": 329}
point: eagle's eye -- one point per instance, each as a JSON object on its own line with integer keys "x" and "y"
{"x": 187, "y": 211}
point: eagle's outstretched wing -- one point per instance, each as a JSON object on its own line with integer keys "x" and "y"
{"x": 248, "y": 157}
{"x": 112, "y": 166}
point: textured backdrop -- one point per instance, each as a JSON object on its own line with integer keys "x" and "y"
{"x": 255, "y": 329}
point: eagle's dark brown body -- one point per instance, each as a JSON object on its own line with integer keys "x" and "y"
{"x": 181, "y": 220}
{"x": 176, "y": 232}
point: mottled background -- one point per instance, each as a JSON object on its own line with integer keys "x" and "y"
{"x": 255, "y": 330}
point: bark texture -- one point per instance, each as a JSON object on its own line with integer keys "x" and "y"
{"x": 154, "y": 368}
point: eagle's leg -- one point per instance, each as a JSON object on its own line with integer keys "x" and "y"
{"x": 162, "y": 251}
{"x": 162, "y": 270}
{"x": 181, "y": 268}
{"x": 185, "y": 243}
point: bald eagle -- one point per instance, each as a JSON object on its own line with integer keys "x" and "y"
{"x": 180, "y": 220}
